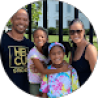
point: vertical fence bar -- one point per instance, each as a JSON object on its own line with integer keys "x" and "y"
{"x": 75, "y": 16}
{"x": 30, "y": 20}
{"x": 45, "y": 14}
{"x": 97, "y": 36}
{"x": 60, "y": 22}
{"x": 75, "y": 13}
{"x": 91, "y": 31}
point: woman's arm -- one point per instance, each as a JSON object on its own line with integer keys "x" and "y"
{"x": 41, "y": 69}
{"x": 91, "y": 56}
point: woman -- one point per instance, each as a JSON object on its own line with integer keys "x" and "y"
{"x": 84, "y": 55}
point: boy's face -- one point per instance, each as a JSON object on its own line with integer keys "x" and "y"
{"x": 57, "y": 55}
{"x": 40, "y": 38}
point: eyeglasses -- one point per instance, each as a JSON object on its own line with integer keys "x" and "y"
{"x": 72, "y": 32}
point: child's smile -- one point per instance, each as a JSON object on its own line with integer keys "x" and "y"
{"x": 40, "y": 43}
{"x": 40, "y": 38}
{"x": 57, "y": 59}
{"x": 56, "y": 55}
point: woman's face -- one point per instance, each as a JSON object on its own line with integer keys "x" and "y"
{"x": 56, "y": 55}
{"x": 76, "y": 32}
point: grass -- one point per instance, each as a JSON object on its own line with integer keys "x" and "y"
{"x": 55, "y": 38}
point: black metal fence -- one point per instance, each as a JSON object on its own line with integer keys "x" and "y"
{"x": 60, "y": 20}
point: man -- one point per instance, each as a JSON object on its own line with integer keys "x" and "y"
{"x": 14, "y": 48}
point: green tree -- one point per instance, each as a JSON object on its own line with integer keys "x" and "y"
{"x": 9, "y": 24}
{"x": 36, "y": 11}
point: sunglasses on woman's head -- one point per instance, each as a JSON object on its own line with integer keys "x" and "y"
{"x": 72, "y": 32}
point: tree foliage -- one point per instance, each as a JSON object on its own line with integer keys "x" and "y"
{"x": 36, "y": 11}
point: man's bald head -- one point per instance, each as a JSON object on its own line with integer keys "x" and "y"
{"x": 21, "y": 11}
{"x": 20, "y": 21}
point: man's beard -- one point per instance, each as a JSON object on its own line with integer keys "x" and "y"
{"x": 19, "y": 31}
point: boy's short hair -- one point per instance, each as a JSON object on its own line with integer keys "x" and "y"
{"x": 43, "y": 29}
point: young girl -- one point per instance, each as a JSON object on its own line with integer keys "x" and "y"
{"x": 59, "y": 84}
{"x": 35, "y": 59}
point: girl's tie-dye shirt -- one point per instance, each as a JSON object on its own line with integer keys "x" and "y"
{"x": 35, "y": 78}
{"x": 59, "y": 84}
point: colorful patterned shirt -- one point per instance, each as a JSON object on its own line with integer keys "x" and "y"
{"x": 35, "y": 78}
{"x": 59, "y": 84}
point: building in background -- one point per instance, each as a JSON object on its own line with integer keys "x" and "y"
{"x": 53, "y": 15}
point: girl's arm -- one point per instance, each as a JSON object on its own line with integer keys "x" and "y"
{"x": 44, "y": 95}
{"x": 70, "y": 59}
{"x": 91, "y": 56}
{"x": 41, "y": 69}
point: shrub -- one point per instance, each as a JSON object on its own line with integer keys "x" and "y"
{"x": 51, "y": 31}
{"x": 65, "y": 31}
{"x": 55, "y": 31}
{"x": 87, "y": 31}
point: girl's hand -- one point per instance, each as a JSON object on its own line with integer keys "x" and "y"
{"x": 33, "y": 69}
{"x": 65, "y": 68}
{"x": 44, "y": 65}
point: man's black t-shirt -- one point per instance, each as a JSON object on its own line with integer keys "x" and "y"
{"x": 13, "y": 55}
